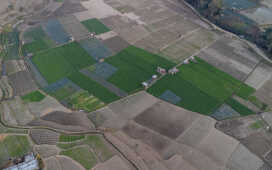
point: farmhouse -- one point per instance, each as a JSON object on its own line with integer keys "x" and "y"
{"x": 29, "y": 163}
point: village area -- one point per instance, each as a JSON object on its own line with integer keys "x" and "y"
{"x": 129, "y": 85}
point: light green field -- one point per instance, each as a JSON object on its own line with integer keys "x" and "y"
{"x": 13, "y": 147}
{"x": 82, "y": 100}
{"x": 82, "y": 155}
{"x": 95, "y": 142}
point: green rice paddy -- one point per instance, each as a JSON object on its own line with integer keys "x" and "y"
{"x": 70, "y": 138}
{"x": 82, "y": 100}
{"x": 134, "y": 66}
{"x": 57, "y": 63}
{"x": 74, "y": 147}
{"x": 93, "y": 87}
{"x": 94, "y": 25}
{"x": 35, "y": 96}
{"x": 203, "y": 88}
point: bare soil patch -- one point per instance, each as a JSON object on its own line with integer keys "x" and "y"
{"x": 22, "y": 83}
{"x": 172, "y": 124}
{"x": 42, "y": 136}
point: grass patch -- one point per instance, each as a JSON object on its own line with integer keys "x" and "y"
{"x": 16, "y": 146}
{"x": 35, "y": 96}
{"x": 99, "y": 147}
{"x": 67, "y": 145}
{"x": 134, "y": 66}
{"x": 82, "y": 155}
{"x": 70, "y": 138}
{"x": 257, "y": 125}
{"x": 82, "y": 100}
{"x": 241, "y": 109}
{"x": 94, "y": 25}
{"x": 57, "y": 63}
{"x": 93, "y": 87}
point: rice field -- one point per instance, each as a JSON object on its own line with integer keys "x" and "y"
{"x": 135, "y": 65}
{"x": 35, "y": 96}
{"x": 95, "y": 142}
{"x": 82, "y": 155}
{"x": 214, "y": 82}
{"x": 94, "y": 25}
{"x": 70, "y": 138}
{"x": 93, "y": 87}
{"x": 82, "y": 100}
{"x": 57, "y": 63}
{"x": 201, "y": 87}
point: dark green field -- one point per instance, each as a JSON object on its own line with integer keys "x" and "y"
{"x": 94, "y": 25}
{"x": 60, "y": 62}
{"x": 93, "y": 87}
{"x": 135, "y": 65}
{"x": 241, "y": 109}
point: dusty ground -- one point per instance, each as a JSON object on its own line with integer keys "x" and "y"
{"x": 72, "y": 122}
{"x": 165, "y": 130}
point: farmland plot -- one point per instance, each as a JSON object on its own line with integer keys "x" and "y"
{"x": 22, "y": 83}
{"x": 14, "y": 66}
{"x": 74, "y": 27}
{"x": 135, "y": 66}
{"x": 59, "y": 62}
{"x": 13, "y": 147}
{"x": 95, "y": 48}
{"x": 35, "y": 40}
{"x": 93, "y": 87}
{"x": 56, "y": 31}
{"x": 201, "y": 87}
{"x": 82, "y": 100}
{"x": 94, "y": 25}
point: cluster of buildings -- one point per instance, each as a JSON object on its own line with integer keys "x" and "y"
{"x": 163, "y": 71}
